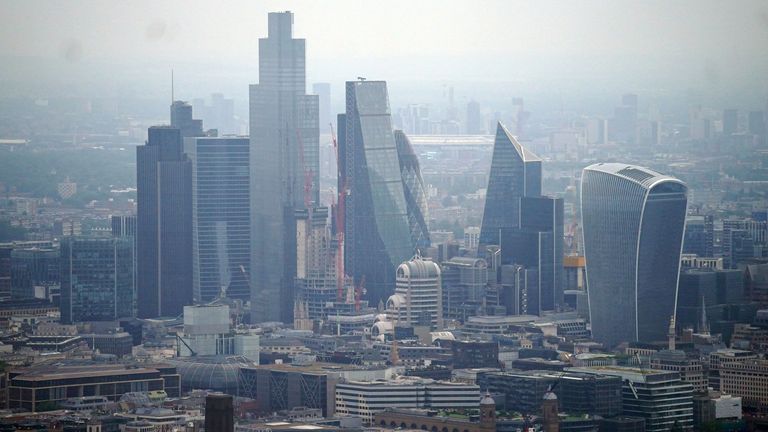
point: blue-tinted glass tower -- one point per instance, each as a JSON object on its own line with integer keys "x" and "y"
{"x": 633, "y": 221}
{"x": 96, "y": 279}
{"x": 377, "y": 236}
{"x": 284, "y": 136}
{"x": 515, "y": 173}
{"x": 221, "y": 217}
{"x": 414, "y": 190}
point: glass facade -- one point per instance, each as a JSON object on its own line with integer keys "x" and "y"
{"x": 31, "y": 268}
{"x": 96, "y": 279}
{"x": 515, "y": 173}
{"x": 415, "y": 192}
{"x": 163, "y": 224}
{"x": 377, "y": 234}
{"x": 633, "y": 222}
{"x": 221, "y": 217}
{"x": 284, "y": 156}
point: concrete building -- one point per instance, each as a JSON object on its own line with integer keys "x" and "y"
{"x": 418, "y": 294}
{"x": 208, "y": 332}
{"x": 366, "y": 398}
{"x": 690, "y": 368}
{"x": 747, "y": 379}
{"x": 424, "y": 419}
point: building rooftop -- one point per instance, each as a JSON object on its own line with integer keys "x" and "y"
{"x": 643, "y": 176}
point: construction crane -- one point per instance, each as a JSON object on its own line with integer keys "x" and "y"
{"x": 340, "y": 209}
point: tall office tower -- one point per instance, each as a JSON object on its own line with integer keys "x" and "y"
{"x": 519, "y": 289}
{"x": 125, "y": 227}
{"x": 221, "y": 217}
{"x": 219, "y": 413}
{"x": 415, "y": 192}
{"x": 376, "y": 232}
{"x": 699, "y": 235}
{"x": 515, "y": 173}
{"x": 181, "y": 118}
{"x": 730, "y": 121}
{"x": 418, "y": 294}
{"x": 474, "y": 119}
{"x": 323, "y": 92}
{"x": 597, "y": 131}
{"x": 537, "y": 244}
{"x": 34, "y": 273}
{"x": 163, "y": 224}
{"x": 284, "y": 166}
{"x": 633, "y": 221}
{"x": 465, "y": 281}
{"x": 96, "y": 279}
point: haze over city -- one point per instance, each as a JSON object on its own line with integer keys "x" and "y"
{"x": 350, "y": 216}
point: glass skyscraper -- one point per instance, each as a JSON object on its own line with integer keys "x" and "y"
{"x": 515, "y": 173}
{"x": 163, "y": 224}
{"x": 285, "y": 170}
{"x": 96, "y": 279}
{"x": 415, "y": 192}
{"x": 221, "y": 217}
{"x": 377, "y": 236}
{"x": 633, "y": 221}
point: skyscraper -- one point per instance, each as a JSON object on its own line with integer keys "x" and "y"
{"x": 515, "y": 173}
{"x": 537, "y": 244}
{"x": 376, "y": 232}
{"x": 323, "y": 92}
{"x": 181, "y": 118}
{"x": 415, "y": 192}
{"x": 284, "y": 166}
{"x": 474, "y": 119}
{"x": 221, "y": 217}
{"x": 633, "y": 221}
{"x": 96, "y": 279}
{"x": 163, "y": 224}
{"x": 730, "y": 121}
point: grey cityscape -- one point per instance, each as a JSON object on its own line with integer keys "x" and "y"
{"x": 358, "y": 216}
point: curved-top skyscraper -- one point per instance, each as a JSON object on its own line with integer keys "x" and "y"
{"x": 633, "y": 222}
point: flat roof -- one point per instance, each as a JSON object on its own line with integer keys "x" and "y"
{"x": 49, "y": 373}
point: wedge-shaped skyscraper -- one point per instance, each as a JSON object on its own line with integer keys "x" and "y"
{"x": 633, "y": 222}
{"x": 376, "y": 231}
{"x": 515, "y": 173}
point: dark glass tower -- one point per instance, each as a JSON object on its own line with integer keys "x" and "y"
{"x": 221, "y": 217}
{"x": 633, "y": 221}
{"x": 181, "y": 118}
{"x": 415, "y": 192}
{"x": 537, "y": 244}
{"x": 515, "y": 173}
{"x": 284, "y": 166}
{"x": 377, "y": 236}
{"x": 96, "y": 279}
{"x": 164, "y": 224}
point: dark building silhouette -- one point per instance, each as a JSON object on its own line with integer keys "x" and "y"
{"x": 181, "y": 118}
{"x": 164, "y": 224}
{"x": 219, "y": 413}
{"x": 96, "y": 279}
{"x": 376, "y": 231}
{"x": 515, "y": 173}
{"x": 414, "y": 190}
{"x": 757, "y": 123}
{"x": 699, "y": 236}
{"x": 537, "y": 244}
{"x": 284, "y": 165}
{"x": 633, "y": 220}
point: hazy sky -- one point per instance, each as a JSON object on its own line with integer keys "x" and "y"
{"x": 699, "y": 43}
